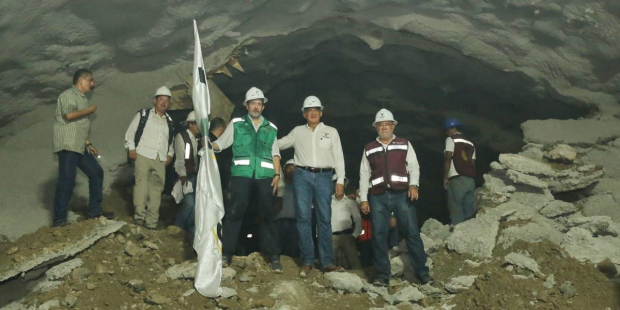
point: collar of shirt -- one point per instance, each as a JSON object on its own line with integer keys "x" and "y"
{"x": 78, "y": 91}
{"x": 191, "y": 135}
{"x": 386, "y": 144}
{"x": 154, "y": 113}
{"x": 319, "y": 125}
{"x": 262, "y": 120}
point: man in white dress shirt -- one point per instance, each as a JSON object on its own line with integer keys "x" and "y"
{"x": 149, "y": 143}
{"x": 318, "y": 153}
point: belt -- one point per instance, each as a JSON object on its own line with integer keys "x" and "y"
{"x": 316, "y": 170}
{"x": 343, "y": 232}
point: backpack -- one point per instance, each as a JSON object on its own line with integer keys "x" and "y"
{"x": 144, "y": 116}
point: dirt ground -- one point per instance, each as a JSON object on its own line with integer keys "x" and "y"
{"x": 112, "y": 268}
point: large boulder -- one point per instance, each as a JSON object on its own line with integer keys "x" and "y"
{"x": 580, "y": 244}
{"x": 602, "y": 205}
{"x": 435, "y": 230}
{"x": 475, "y": 237}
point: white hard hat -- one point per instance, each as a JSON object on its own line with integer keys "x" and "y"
{"x": 384, "y": 115}
{"x": 254, "y": 93}
{"x": 163, "y": 91}
{"x": 289, "y": 162}
{"x": 312, "y": 102}
{"x": 191, "y": 117}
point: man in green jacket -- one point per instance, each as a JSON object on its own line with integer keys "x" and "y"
{"x": 255, "y": 168}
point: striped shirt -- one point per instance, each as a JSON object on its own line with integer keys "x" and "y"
{"x": 71, "y": 135}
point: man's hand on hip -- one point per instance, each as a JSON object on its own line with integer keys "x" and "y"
{"x": 365, "y": 207}
{"x": 413, "y": 193}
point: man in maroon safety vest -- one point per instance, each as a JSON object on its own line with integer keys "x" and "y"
{"x": 389, "y": 180}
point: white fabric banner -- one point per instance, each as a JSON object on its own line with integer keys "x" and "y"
{"x": 209, "y": 209}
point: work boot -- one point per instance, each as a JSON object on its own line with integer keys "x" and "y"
{"x": 225, "y": 261}
{"x": 304, "y": 271}
{"x": 333, "y": 268}
{"x": 61, "y": 223}
{"x": 425, "y": 278}
{"x": 108, "y": 215}
{"x": 139, "y": 222}
{"x": 381, "y": 282}
{"x": 276, "y": 266}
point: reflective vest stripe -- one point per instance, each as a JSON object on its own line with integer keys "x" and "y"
{"x": 238, "y": 119}
{"x": 463, "y": 141}
{"x": 187, "y": 150}
{"x": 377, "y": 149}
{"x": 397, "y": 147}
{"x": 396, "y": 178}
{"x": 377, "y": 181}
{"x": 242, "y": 162}
{"x": 266, "y": 165}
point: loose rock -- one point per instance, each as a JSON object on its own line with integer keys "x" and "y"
{"x": 568, "y": 289}
{"x": 137, "y": 285}
{"x": 458, "y": 284}
{"x": 228, "y": 274}
{"x": 157, "y": 299}
{"x": 81, "y": 273}
{"x": 62, "y": 270}
{"x": 344, "y": 281}
{"x": 523, "y": 261}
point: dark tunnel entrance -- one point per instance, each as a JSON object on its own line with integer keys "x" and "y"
{"x": 420, "y": 87}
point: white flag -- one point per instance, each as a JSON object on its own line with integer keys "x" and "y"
{"x": 209, "y": 208}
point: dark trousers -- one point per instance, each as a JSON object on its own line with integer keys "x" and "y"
{"x": 381, "y": 207}
{"x": 186, "y": 216}
{"x": 241, "y": 190}
{"x": 68, "y": 162}
{"x": 289, "y": 243}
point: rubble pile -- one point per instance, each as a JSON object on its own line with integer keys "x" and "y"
{"x": 524, "y": 249}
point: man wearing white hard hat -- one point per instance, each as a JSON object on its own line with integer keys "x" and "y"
{"x": 318, "y": 154}
{"x": 389, "y": 181}
{"x": 149, "y": 143}
{"x": 255, "y": 169}
{"x": 186, "y": 167}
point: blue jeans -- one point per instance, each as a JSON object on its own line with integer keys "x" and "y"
{"x": 461, "y": 198}
{"x": 381, "y": 207}
{"x": 317, "y": 187}
{"x": 68, "y": 162}
{"x": 185, "y": 218}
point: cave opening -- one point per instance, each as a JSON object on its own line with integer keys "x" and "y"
{"x": 420, "y": 82}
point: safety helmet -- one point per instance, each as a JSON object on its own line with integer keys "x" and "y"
{"x": 451, "y": 123}
{"x": 163, "y": 91}
{"x": 384, "y": 115}
{"x": 312, "y": 102}
{"x": 191, "y": 117}
{"x": 290, "y": 162}
{"x": 254, "y": 93}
